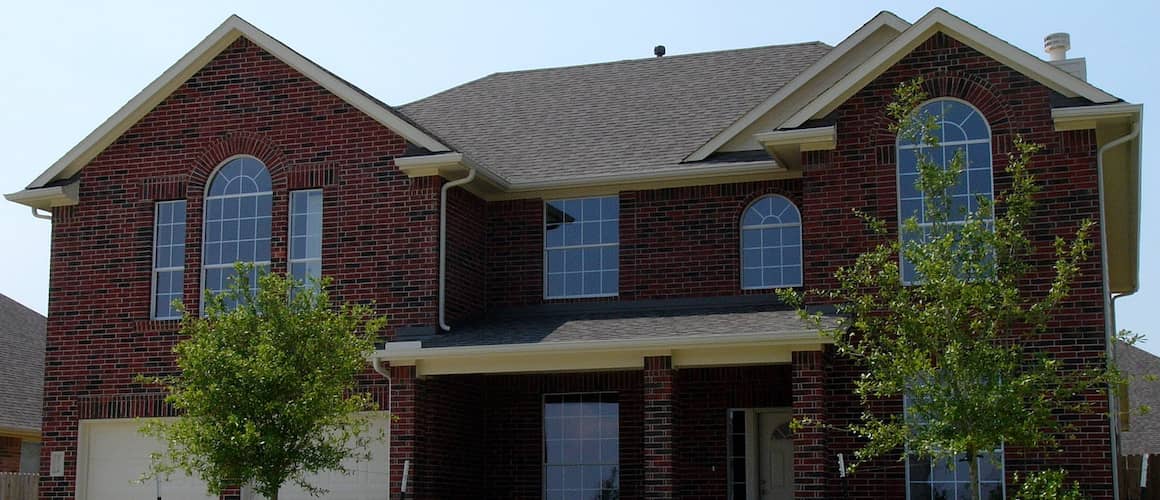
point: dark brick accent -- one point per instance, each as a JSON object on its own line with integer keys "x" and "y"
{"x": 659, "y": 432}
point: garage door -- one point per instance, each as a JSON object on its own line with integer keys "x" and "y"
{"x": 111, "y": 455}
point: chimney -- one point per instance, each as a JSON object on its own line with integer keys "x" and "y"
{"x": 659, "y": 50}
{"x": 1056, "y": 45}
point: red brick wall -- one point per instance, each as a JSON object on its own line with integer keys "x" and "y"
{"x": 9, "y": 454}
{"x": 861, "y": 172}
{"x": 675, "y": 242}
{"x": 466, "y": 255}
{"x": 703, "y": 396}
{"x": 449, "y": 437}
{"x": 379, "y": 239}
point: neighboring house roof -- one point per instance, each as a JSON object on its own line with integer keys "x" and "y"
{"x": 1143, "y": 431}
{"x": 21, "y": 367}
{"x": 617, "y": 118}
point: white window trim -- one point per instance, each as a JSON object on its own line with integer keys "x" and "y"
{"x": 290, "y": 260}
{"x": 544, "y": 236}
{"x": 205, "y": 222}
{"x": 741, "y": 245}
{"x": 898, "y": 178}
{"x": 153, "y": 275}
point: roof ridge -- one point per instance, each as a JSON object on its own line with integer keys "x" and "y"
{"x": 401, "y": 107}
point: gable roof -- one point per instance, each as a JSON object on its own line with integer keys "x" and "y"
{"x": 639, "y": 116}
{"x": 21, "y": 367}
{"x": 939, "y": 20}
{"x": 1143, "y": 434}
{"x": 233, "y": 28}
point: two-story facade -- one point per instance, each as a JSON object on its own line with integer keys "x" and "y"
{"x": 578, "y": 263}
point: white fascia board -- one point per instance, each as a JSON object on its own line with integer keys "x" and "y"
{"x": 739, "y": 168}
{"x": 409, "y": 351}
{"x": 883, "y": 19}
{"x": 940, "y": 20}
{"x": 233, "y": 28}
{"x": 810, "y": 139}
{"x": 1087, "y": 117}
{"x": 47, "y": 197}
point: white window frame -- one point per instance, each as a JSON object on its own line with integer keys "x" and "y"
{"x": 758, "y": 227}
{"x": 544, "y": 235}
{"x": 291, "y": 259}
{"x": 544, "y": 435}
{"x": 899, "y": 148}
{"x": 156, "y": 270}
{"x": 205, "y": 223}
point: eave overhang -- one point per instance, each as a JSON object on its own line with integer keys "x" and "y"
{"x": 787, "y": 145}
{"x": 46, "y": 198}
{"x": 1121, "y": 184}
{"x": 628, "y": 354}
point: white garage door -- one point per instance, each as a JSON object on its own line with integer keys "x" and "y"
{"x": 111, "y": 455}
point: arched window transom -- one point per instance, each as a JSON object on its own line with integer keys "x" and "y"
{"x": 962, "y": 129}
{"x": 237, "y": 221}
{"x": 771, "y": 244}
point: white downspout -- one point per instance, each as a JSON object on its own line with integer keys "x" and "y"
{"x": 1109, "y": 307}
{"x": 36, "y": 213}
{"x": 443, "y": 245}
{"x": 378, "y": 366}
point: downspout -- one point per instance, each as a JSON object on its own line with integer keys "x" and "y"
{"x": 378, "y": 366}
{"x": 1109, "y": 307}
{"x": 36, "y": 213}
{"x": 443, "y": 245}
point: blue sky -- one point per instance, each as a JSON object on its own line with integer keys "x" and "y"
{"x": 69, "y": 66}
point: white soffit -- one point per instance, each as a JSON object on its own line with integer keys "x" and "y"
{"x": 939, "y": 20}
{"x": 884, "y": 19}
{"x": 233, "y": 28}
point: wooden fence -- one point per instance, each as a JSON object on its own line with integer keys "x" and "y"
{"x": 18, "y": 486}
{"x": 1130, "y": 478}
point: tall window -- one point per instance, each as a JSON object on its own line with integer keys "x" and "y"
{"x": 306, "y": 235}
{"x": 771, "y": 244}
{"x": 581, "y": 446}
{"x": 942, "y": 480}
{"x": 168, "y": 257}
{"x": 961, "y": 130}
{"x": 237, "y": 221}
{"x": 581, "y": 247}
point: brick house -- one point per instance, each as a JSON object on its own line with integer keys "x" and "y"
{"x": 578, "y": 263}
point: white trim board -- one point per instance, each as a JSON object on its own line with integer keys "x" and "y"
{"x": 233, "y": 28}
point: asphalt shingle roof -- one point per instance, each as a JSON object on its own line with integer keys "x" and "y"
{"x": 633, "y": 116}
{"x": 1143, "y": 434}
{"x": 21, "y": 365}
{"x": 664, "y": 321}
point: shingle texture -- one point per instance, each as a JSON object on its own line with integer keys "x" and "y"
{"x": 625, "y": 117}
{"x": 769, "y": 320}
{"x": 1143, "y": 434}
{"x": 21, "y": 365}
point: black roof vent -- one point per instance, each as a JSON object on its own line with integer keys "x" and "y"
{"x": 659, "y": 50}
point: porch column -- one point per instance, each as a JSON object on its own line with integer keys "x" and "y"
{"x": 658, "y": 427}
{"x": 402, "y": 428}
{"x": 810, "y": 457}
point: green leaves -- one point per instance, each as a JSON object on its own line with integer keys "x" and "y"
{"x": 267, "y": 390}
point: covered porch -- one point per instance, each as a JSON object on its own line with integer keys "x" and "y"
{"x": 668, "y": 403}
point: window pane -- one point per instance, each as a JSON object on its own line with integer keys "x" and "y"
{"x": 168, "y": 257}
{"x": 306, "y": 235}
{"x": 581, "y": 456}
{"x": 237, "y": 222}
{"x": 581, "y": 242}
{"x": 770, "y": 233}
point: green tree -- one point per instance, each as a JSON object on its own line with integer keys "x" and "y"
{"x": 956, "y": 341}
{"x": 267, "y": 386}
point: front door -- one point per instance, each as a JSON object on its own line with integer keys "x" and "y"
{"x": 775, "y": 455}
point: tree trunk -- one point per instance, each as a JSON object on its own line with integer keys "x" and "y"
{"x": 976, "y": 492}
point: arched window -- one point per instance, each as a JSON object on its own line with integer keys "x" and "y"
{"x": 771, "y": 244}
{"x": 961, "y": 130}
{"x": 237, "y": 221}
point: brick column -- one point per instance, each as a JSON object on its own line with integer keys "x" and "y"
{"x": 402, "y": 433}
{"x": 658, "y": 427}
{"x": 810, "y": 456}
